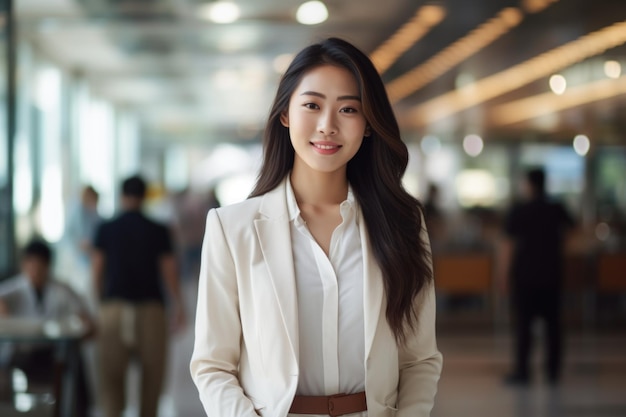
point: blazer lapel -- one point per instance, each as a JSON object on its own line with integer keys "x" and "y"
{"x": 273, "y": 232}
{"x": 373, "y": 291}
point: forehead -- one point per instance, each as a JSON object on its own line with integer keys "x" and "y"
{"x": 329, "y": 80}
{"x": 34, "y": 259}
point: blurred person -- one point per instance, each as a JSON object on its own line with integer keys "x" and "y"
{"x": 75, "y": 253}
{"x": 133, "y": 261}
{"x": 191, "y": 209}
{"x": 531, "y": 270}
{"x": 34, "y": 294}
{"x": 434, "y": 216}
{"x": 83, "y": 222}
{"x": 316, "y": 294}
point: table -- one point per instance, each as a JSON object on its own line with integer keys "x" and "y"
{"x": 65, "y": 336}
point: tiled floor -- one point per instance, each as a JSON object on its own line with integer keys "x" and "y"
{"x": 593, "y": 385}
{"x": 594, "y": 380}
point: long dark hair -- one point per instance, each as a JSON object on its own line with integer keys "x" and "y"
{"x": 392, "y": 217}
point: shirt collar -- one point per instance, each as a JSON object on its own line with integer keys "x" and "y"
{"x": 294, "y": 211}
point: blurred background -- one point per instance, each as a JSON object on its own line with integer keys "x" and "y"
{"x": 178, "y": 90}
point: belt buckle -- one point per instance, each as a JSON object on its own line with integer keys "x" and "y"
{"x": 331, "y": 404}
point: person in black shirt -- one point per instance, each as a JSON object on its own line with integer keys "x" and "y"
{"x": 133, "y": 258}
{"x": 533, "y": 259}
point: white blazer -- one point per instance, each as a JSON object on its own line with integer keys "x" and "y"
{"x": 245, "y": 358}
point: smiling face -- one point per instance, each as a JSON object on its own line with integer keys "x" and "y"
{"x": 325, "y": 120}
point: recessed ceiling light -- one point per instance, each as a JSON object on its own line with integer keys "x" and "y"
{"x": 312, "y": 13}
{"x": 473, "y": 145}
{"x": 612, "y": 69}
{"x": 558, "y": 84}
{"x": 220, "y": 11}
{"x": 581, "y": 145}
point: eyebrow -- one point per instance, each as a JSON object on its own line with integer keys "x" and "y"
{"x": 316, "y": 94}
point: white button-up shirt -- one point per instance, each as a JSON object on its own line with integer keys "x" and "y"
{"x": 330, "y": 304}
{"x": 58, "y": 300}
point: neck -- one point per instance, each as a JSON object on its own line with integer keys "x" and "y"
{"x": 131, "y": 204}
{"x": 317, "y": 188}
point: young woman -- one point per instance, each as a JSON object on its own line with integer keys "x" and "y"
{"x": 316, "y": 294}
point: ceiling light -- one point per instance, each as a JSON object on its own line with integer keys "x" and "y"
{"x": 312, "y": 13}
{"x": 581, "y": 145}
{"x": 424, "y": 19}
{"x": 460, "y": 50}
{"x": 558, "y": 84}
{"x": 430, "y": 144}
{"x": 535, "y": 6}
{"x": 550, "y": 104}
{"x": 447, "y": 104}
{"x": 473, "y": 145}
{"x": 476, "y": 187}
{"x": 220, "y": 12}
{"x": 612, "y": 69}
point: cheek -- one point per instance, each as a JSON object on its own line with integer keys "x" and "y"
{"x": 300, "y": 125}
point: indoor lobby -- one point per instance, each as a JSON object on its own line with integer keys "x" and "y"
{"x": 179, "y": 92}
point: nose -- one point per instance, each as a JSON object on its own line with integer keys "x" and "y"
{"x": 327, "y": 123}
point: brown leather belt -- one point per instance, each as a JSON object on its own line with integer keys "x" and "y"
{"x": 333, "y": 405}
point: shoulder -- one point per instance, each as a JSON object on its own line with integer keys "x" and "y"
{"x": 243, "y": 213}
{"x": 155, "y": 224}
{"x": 106, "y": 225}
{"x": 12, "y": 285}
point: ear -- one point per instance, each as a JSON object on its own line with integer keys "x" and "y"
{"x": 368, "y": 131}
{"x": 284, "y": 119}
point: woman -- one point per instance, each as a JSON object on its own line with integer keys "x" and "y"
{"x": 320, "y": 283}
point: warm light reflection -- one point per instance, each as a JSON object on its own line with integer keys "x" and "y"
{"x": 460, "y": 50}
{"x": 612, "y": 69}
{"x": 548, "y": 103}
{"x": 517, "y": 76}
{"x": 422, "y": 22}
{"x": 312, "y": 13}
{"x": 558, "y": 84}
{"x": 535, "y": 6}
{"x": 581, "y": 145}
{"x": 476, "y": 187}
{"x": 219, "y": 12}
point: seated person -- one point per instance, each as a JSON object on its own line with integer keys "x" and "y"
{"x": 34, "y": 294}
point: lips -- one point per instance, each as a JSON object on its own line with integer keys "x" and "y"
{"x": 325, "y": 148}
{"x": 325, "y": 145}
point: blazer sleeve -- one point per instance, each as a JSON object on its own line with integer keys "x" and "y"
{"x": 419, "y": 359}
{"x": 215, "y": 359}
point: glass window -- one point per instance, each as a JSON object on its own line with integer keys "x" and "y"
{"x": 565, "y": 171}
{"x": 6, "y": 222}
